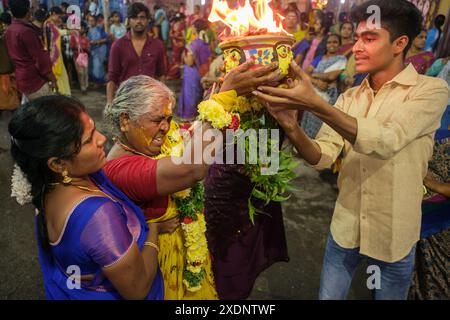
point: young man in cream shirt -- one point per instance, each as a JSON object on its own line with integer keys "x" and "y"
{"x": 385, "y": 128}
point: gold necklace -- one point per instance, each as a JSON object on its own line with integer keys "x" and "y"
{"x": 127, "y": 148}
{"x": 84, "y": 189}
{"x": 76, "y": 186}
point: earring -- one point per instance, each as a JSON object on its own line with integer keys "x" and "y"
{"x": 66, "y": 178}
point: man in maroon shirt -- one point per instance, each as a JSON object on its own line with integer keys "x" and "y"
{"x": 136, "y": 53}
{"x": 33, "y": 66}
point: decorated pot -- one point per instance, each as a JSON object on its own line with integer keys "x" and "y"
{"x": 263, "y": 49}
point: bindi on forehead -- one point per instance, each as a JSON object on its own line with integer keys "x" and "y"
{"x": 164, "y": 109}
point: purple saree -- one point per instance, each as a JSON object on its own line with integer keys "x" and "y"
{"x": 97, "y": 233}
{"x": 192, "y": 91}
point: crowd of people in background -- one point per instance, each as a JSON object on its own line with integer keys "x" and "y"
{"x": 171, "y": 45}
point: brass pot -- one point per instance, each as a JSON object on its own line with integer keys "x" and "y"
{"x": 264, "y": 49}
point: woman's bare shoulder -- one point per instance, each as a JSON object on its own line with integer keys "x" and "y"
{"x": 59, "y": 204}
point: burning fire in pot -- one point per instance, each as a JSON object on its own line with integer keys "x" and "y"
{"x": 253, "y": 31}
{"x": 246, "y": 19}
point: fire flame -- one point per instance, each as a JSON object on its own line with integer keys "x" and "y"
{"x": 245, "y": 20}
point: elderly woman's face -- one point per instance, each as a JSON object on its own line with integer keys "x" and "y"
{"x": 146, "y": 133}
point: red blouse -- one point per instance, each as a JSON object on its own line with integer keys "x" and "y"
{"x": 135, "y": 175}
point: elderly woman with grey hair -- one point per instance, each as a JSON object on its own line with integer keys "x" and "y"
{"x": 141, "y": 165}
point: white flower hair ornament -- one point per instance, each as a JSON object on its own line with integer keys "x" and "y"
{"x": 20, "y": 186}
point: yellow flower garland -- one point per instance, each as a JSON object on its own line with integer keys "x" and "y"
{"x": 193, "y": 232}
{"x": 215, "y": 113}
{"x": 243, "y": 104}
{"x": 223, "y": 109}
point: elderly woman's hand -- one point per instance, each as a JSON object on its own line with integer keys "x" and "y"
{"x": 168, "y": 226}
{"x": 244, "y": 80}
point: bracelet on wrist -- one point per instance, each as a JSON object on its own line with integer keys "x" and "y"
{"x": 151, "y": 244}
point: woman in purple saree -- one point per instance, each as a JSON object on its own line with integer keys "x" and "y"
{"x": 90, "y": 216}
{"x": 93, "y": 241}
{"x": 196, "y": 66}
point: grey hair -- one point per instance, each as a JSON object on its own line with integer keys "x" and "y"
{"x": 134, "y": 97}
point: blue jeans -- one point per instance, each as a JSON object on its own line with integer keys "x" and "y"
{"x": 339, "y": 267}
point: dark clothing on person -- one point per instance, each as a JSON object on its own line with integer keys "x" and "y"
{"x": 32, "y": 63}
{"x": 125, "y": 63}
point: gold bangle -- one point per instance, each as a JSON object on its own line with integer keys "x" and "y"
{"x": 151, "y": 244}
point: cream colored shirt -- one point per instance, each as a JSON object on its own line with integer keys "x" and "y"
{"x": 380, "y": 184}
